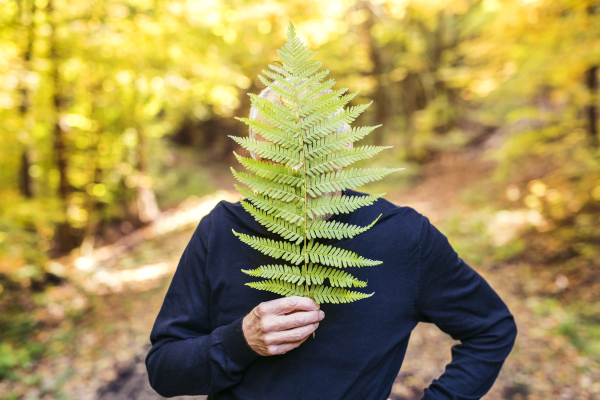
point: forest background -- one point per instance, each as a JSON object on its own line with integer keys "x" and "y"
{"x": 114, "y": 116}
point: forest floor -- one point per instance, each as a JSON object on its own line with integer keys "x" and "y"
{"x": 99, "y": 353}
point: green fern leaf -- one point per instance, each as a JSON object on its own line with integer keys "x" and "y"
{"x": 325, "y": 128}
{"x": 270, "y": 151}
{"x": 268, "y": 188}
{"x": 278, "y": 136}
{"x": 342, "y": 158}
{"x": 271, "y": 171}
{"x": 289, "y": 231}
{"x": 280, "y": 272}
{"x": 324, "y": 294}
{"x": 316, "y": 90}
{"x": 335, "y": 229}
{"x": 289, "y": 252}
{"x": 336, "y": 257}
{"x": 288, "y": 211}
{"x": 280, "y": 287}
{"x": 316, "y": 275}
{"x": 318, "y": 101}
{"x": 339, "y": 204}
{"x": 341, "y": 180}
{"x": 305, "y": 153}
{"x": 337, "y": 142}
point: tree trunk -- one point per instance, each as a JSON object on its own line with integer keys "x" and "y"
{"x": 380, "y": 97}
{"x": 25, "y": 183}
{"x": 592, "y": 108}
{"x": 66, "y": 239}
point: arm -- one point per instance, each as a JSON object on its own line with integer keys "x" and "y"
{"x": 187, "y": 357}
{"x": 462, "y": 304}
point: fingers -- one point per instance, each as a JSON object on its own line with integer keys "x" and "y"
{"x": 286, "y": 305}
{"x": 290, "y": 336}
{"x": 278, "y": 349}
{"x": 294, "y": 320}
{"x": 278, "y": 326}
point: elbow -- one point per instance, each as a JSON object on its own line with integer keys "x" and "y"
{"x": 169, "y": 375}
{"x": 497, "y": 339}
{"x": 158, "y": 379}
{"x": 506, "y": 334}
{"x": 512, "y": 329}
{"x": 158, "y": 385}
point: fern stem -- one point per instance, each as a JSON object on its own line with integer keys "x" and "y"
{"x": 305, "y": 187}
{"x": 304, "y": 212}
{"x": 304, "y": 208}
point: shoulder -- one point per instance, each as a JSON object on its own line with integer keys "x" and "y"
{"x": 393, "y": 219}
{"x": 397, "y": 223}
{"x": 403, "y": 215}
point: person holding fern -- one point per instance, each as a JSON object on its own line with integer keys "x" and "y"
{"x": 301, "y": 226}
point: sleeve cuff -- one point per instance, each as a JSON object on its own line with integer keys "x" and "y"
{"x": 235, "y": 344}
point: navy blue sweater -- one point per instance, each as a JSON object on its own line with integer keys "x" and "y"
{"x": 198, "y": 346}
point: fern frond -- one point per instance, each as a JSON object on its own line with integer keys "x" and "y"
{"x": 281, "y": 71}
{"x": 276, "y": 112}
{"x": 275, "y": 172}
{"x": 286, "y": 250}
{"x": 264, "y": 186}
{"x": 316, "y": 103}
{"x": 335, "y": 229}
{"x": 271, "y": 151}
{"x": 312, "y": 92}
{"x": 336, "y": 257}
{"x": 326, "y": 110}
{"x": 289, "y": 85}
{"x": 341, "y": 180}
{"x": 331, "y": 125}
{"x": 339, "y": 204}
{"x": 316, "y": 275}
{"x": 341, "y": 159}
{"x": 337, "y": 141}
{"x": 280, "y": 272}
{"x": 291, "y": 212}
{"x": 312, "y": 81}
{"x": 308, "y": 69}
{"x": 281, "y": 91}
{"x": 288, "y": 231}
{"x": 280, "y": 287}
{"x": 304, "y": 160}
{"x": 284, "y": 138}
{"x": 324, "y": 294}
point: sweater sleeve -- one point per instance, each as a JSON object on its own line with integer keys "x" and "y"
{"x": 462, "y": 304}
{"x": 187, "y": 357}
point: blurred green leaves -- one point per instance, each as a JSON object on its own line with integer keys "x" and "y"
{"x": 91, "y": 93}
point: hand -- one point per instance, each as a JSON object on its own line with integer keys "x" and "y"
{"x": 278, "y": 326}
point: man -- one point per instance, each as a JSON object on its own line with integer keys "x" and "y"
{"x": 214, "y": 335}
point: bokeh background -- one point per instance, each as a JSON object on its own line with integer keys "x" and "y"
{"x": 114, "y": 118}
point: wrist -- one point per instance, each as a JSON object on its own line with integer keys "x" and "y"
{"x": 236, "y": 345}
{"x": 249, "y": 324}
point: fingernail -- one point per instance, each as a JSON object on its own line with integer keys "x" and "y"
{"x": 321, "y": 315}
{"x": 316, "y": 325}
